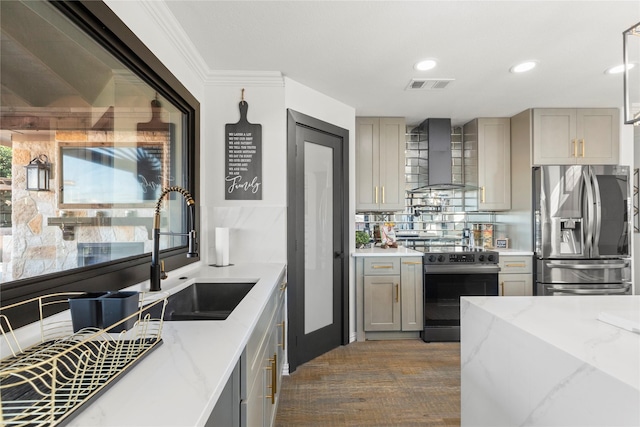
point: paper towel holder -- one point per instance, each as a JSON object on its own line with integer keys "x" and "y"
{"x": 222, "y": 247}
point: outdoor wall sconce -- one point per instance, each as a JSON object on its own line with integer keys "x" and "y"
{"x": 631, "y": 44}
{"x": 38, "y": 173}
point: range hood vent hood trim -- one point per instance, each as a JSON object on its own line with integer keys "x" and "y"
{"x": 438, "y": 132}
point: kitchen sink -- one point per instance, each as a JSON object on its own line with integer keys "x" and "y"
{"x": 206, "y": 300}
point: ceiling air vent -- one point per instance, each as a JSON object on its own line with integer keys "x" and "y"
{"x": 428, "y": 84}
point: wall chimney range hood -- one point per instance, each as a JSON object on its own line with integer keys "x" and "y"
{"x": 437, "y": 133}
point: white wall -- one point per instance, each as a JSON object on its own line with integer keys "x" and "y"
{"x": 258, "y": 229}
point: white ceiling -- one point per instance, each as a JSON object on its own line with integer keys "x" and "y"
{"x": 362, "y": 52}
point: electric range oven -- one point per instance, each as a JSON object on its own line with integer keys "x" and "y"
{"x": 449, "y": 276}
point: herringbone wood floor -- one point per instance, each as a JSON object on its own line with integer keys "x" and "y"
{"x": 375, "y": 383}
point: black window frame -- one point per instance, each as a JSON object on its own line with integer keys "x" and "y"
{"x": 101, "y": 23}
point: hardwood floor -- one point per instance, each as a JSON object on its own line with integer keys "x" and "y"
{"x": 375, "y": 383}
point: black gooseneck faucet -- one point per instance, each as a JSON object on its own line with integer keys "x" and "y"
{"x": 157, "y": 267}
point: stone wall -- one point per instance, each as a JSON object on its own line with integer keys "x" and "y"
{"x": 35, "y": 248}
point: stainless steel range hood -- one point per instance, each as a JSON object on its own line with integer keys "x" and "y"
{"x": 438, "y": 134}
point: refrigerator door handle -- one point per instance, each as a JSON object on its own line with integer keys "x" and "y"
{"x": 598, "y": 213}
{"x": 559, "y": 289}
{"x": 587, "y": 266}
{"x": 588, "y": 213}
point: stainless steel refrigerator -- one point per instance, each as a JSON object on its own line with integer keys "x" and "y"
{"x": 582, "y": 229}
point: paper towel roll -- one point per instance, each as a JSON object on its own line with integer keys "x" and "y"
{"x": 222, "y": 246}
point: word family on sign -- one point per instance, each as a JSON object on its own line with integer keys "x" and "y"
{"x": 235, "y": 183}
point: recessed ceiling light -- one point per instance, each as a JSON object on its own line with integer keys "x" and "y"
{"x": 618, "y": 69}
{"x": 523, "y": 67}
{"x": 425, "y": 65}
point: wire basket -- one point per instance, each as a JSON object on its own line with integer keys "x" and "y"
{"x": 46, "y": 382}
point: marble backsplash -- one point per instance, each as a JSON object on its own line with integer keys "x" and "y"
{"x": 256, "y": 233}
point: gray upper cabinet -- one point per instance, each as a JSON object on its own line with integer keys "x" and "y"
{"x": 380, "y": 145}
{"x": 487, "y": 144}
{"x": 576, "y": 136}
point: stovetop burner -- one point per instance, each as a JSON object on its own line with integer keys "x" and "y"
{"x": 461, "y": 257}
{"x": 450, "y": 249}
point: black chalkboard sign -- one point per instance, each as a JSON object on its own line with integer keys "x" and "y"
{"x": 243, "y": 159}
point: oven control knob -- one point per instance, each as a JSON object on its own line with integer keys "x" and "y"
{"x": 432, "y": 258}
{"x": 480, "y": 258}
{"x": 440, "y": 258}
{"x": 491, "y": 258}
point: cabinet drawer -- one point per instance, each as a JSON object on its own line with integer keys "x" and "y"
{"x": 381, "y": 266}
{"x": 515, "y": 264}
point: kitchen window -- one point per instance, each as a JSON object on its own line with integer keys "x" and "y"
{"x": 84, "y": 97}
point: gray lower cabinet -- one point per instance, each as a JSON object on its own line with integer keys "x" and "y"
{"x": 382, "y": 303}
{"x": 515, "y": 278}
{"x": 392, "y": 294}
{"x": 411, "y": 294}
{"x": 262, "y": 362}
{"x": 226, "y": 413}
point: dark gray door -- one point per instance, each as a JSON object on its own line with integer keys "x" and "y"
{"x": 317, "y": 264}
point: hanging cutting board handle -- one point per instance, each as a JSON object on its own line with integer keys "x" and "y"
{"x": 243, "y": 106}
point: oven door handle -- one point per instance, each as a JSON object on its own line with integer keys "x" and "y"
{"x": 461, "y": 269}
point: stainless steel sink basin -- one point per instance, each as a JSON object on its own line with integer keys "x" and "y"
{"x": 206, "y": 301}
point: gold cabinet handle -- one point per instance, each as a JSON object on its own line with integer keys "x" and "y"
{"x": 283, "y": 286}
{"x": 575, "y": 148}
{"x": 515, "y": 265}
{"x": 274, "y": 375}
{"x": 271, "y": 396}
{"x": 412, "y": 262}
{"x": 376, "y": 191}
{"x": 376, "y": 267}
{"x": 482, "y": 198}
{"x": 283, "y": 343}
{"x": 273, "y": 386}
{"x": 582, "y": 144}
{"x": 397, "y": 292}
{"x": 383, "y": 194}
{"x": 502, "y": 288}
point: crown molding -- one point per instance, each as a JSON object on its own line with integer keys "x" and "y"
{"x": 245, "y": 78}
{"x": 165, "y": 19}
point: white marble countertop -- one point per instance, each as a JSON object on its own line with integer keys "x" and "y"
{"x": 570, "y": 324}
{"x": 404, "y": 251}
{"x": 180, "y": 381}
{"x": 514, "y": 252}
{"x": 379, "y": 252}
